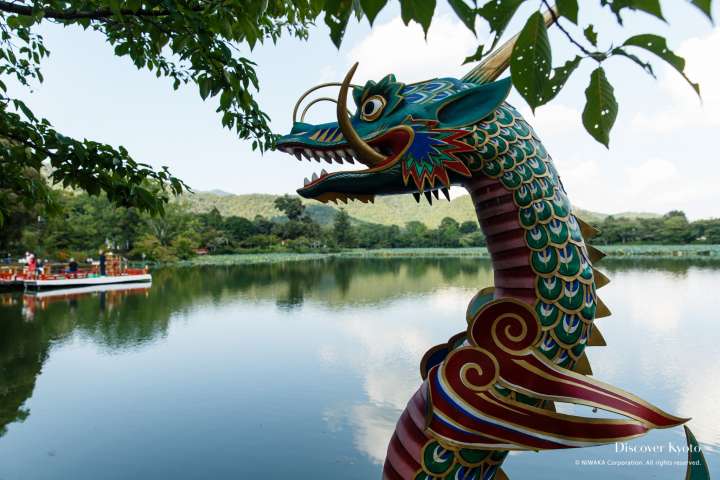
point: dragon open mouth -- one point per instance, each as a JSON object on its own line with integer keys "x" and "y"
{"x": 390, "y": 145}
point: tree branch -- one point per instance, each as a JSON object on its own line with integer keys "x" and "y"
{"x": 100, "y": 14}
{"x": 562, "y": 29}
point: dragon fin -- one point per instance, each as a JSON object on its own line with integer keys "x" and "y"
{"x": 582, "y": 365}
{"x": 587, "y": 230}
{"x": 596, "y": 338}
{"x": 501, "y": 475}
{"x": 599, "y": 278}
{"x": 594, "y": 254}
{"x": 601, "y": 309}
{"x": 697, "y": 468}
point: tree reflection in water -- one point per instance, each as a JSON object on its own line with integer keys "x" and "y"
{"x": 137, "y": 317}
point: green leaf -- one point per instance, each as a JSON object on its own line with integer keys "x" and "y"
{"x": 601, "y": 108}
{"x": 646, "y": 66}
{"x": 705, "y": 6}
{"x": 498, "y": 14}
{"x": 531, "y": 60}
{"x": 464, "y": 13}
{"x": 658, "y": 45}
{"x": 558, "y": 79}
{"x": 337, "y": 15}
{"x": 648, "y": 6}
{"x": 372, "y": 8}
{"x": 133, "y": 5}
{"x": 568, "y": 9}
{"x": 591, "y": 35}
{"x": 475, "y": 57}
{"x": 204, "y": 85}
{"x": 420, "y": 11}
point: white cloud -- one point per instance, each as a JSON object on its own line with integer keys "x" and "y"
{"x": 648, "y": 175}
{"x": 395, "y": 48}
{"x": 553, "y": 119}
{"x": 683, "y": 109}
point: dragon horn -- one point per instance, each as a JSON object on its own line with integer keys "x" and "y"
{"x": 364, "y": 152}
{"x": 492, "y": 66}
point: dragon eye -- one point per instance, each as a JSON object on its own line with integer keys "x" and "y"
{"x": 372, "y": 108}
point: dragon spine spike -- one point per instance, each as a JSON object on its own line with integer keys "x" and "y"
{"x": 596, "y": 338}
{"x": 495, "y": 63}
{"x": 594, "y": 254}
{"x": 549, "y": 405}
{"x": 587, "y": 230}
{"x": 582, "y": 365}
{"x": 602, "y": 310}
{"x": 599, "y": 278}
{"x": 501, "y": 475}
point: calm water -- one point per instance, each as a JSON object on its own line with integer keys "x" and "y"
{"x": 302, "y": 369}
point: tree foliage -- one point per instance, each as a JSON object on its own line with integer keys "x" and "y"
{"x": 87, "y": 224}
{"x": 188, "y": 41}
{"x": 205, "y": 43}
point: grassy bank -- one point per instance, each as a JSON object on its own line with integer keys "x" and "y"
{"x": 687, "y": 252}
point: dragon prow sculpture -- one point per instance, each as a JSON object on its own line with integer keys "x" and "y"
{"x": 491, "y": 388}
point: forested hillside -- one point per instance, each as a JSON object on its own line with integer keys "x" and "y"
{"x": 394, "y": 210}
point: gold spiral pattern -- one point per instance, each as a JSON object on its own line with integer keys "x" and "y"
{"x": 507, "y": 325}
{"x": 473, "y": 368}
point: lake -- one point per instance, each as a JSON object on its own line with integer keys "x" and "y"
{"x": 301, "y": 369}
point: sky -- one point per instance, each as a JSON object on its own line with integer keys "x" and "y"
{"x": 661, "y": 157}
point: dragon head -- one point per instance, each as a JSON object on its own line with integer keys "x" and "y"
{"x": 410, "y": 138}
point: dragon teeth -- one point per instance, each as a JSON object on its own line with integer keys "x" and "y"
{"x": 348, "y": 155}
{"x": 314, "y": 176}
{"x": 306, "y": 181}
{"x": 323, "y": 172}
{"x": 297, "y": 155}
{"x": 446, "y": 193}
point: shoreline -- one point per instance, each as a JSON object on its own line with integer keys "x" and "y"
{"x": 701, "y": 253}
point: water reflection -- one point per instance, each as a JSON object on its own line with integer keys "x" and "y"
{"x": 351, "y": 332}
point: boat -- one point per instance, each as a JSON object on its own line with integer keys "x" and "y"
{"x": 79, "y": 280}
{"x": 11, "y": 278}
{"x": 77, "y": 292}
{"x": 59, "y": 275}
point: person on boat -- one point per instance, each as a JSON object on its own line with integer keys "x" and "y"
{"x": 101, "y": 258}
{"x": 72, "y": 266}
{"x": 31, "y": 264}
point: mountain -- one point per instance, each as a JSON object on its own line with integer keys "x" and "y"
{"x": 393, "y": 210}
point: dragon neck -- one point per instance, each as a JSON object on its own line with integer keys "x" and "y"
{"x": 498, "y": 215}
{"x": 535, "y": 242}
